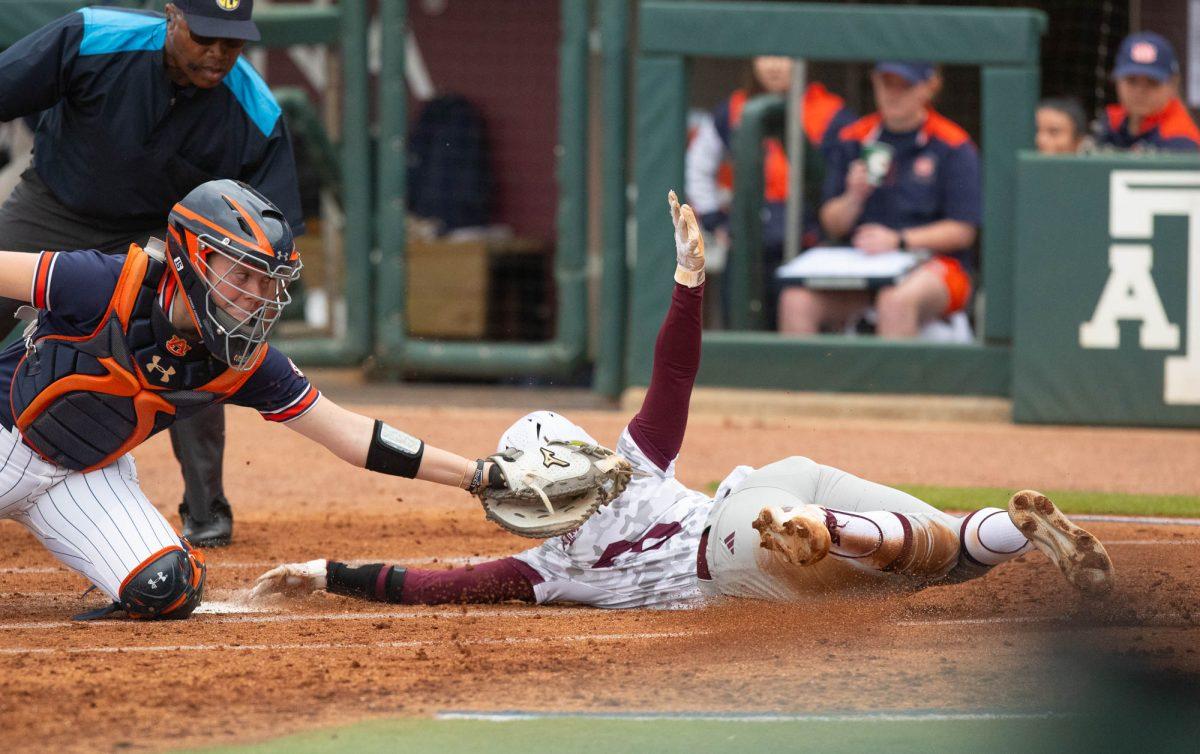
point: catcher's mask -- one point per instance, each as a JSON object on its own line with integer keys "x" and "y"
{"x": 232, "y": 252}
{"x": 539, "y": 428}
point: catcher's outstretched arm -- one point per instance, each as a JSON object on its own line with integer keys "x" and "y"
{"x": 659, "y": 426}
{"x": 371, "y": 444}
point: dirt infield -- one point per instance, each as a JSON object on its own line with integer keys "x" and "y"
{"x": 323, "y": 660}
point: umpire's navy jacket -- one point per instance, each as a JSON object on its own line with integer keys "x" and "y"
{"x": 118, "y": 141}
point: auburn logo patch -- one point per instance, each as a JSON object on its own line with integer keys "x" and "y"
{"x": 178, "y": 346}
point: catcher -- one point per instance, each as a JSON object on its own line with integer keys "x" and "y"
{"x": 119, "y": 347}
{"x": 791, "y": 530}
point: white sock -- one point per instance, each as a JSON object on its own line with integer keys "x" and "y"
{"x": 990, "y": 537}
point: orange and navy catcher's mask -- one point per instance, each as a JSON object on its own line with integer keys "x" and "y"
{"x": 233, "y": 255}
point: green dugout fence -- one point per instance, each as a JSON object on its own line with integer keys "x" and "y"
{"x": 1004, "y": 43}
{"x": 395, "y": 350}
{"x": 1090, "y": 265}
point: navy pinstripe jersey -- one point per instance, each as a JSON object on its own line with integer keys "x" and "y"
{"x": 118, "y": 141}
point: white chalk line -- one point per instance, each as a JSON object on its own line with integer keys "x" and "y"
{"x": 982, "y": 621}
{"x": 349, "y": 645}
{"x": 1142, "y": 621}
{"x": 1154, "y": 520}
{"x": 738, "y": 717}
{"x": 523, "y": 613}
{"x": 1148, "y": 542}
{"x": 272, "y": 563}
{"x": 469, "y": 561}
{"x": 519, "y": 613}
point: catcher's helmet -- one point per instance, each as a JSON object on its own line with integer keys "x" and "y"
{"x": 539, "y": 428}
{"x": 254, "y": 240}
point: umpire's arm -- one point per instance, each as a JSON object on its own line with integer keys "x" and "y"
{"x": 35, "y": 72}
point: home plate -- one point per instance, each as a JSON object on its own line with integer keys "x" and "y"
{"x": 227, "y": 608}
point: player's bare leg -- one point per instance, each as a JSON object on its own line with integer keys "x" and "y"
{"x": 904, "y": 308}
{"x": 808, "y": 312}
{"x": 1078, "y": 554}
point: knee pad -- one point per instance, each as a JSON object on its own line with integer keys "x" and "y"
{"x": 168, "y": 584}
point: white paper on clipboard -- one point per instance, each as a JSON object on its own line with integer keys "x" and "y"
{"x": 848, "y": 268}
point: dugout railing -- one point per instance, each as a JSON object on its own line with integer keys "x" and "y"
{"x": 1003, "y": 43}
{"x": 343, "y": 27}
{"x": 395, "y": 350}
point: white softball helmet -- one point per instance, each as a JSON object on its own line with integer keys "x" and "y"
{"x": 541, "y": 427}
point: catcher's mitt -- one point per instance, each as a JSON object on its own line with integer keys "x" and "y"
{"x": 553, "y": 488}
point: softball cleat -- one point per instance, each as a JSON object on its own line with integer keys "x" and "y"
{"x": 1078, "y": 554}
{"x": 799, "y": 535}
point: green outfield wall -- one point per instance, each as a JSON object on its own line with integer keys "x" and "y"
{"x": 1108, "y": 290}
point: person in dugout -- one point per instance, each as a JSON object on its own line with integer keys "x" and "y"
{"x": 927, "y": 198}
{"x": 1061, "y": 126}
{"x": 1148, "y": 115}
{"x": 709, "y": 169}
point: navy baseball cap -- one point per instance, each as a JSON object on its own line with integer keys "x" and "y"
{"x": 223, "y": 19}
{"x": 1146, "y": 54}
{"x": 913, "y": 72}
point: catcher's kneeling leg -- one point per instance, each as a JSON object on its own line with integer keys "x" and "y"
{"x": 167, "y": 585}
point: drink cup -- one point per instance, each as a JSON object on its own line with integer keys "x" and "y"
{"x": 878, "y": 159}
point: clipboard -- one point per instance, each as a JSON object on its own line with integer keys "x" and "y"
{"x": 845, "y": 268}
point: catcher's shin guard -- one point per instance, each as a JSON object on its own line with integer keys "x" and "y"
{"x": 168, "y": 584}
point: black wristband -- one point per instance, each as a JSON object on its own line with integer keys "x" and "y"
{"x": 375, "y": 581}
{"x": 476, "y": 477}
{"x": 901, "y": 243}
{"x": 394, "y": 452}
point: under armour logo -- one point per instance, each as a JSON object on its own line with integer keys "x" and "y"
{"x": 549, "y": 459}
{"x": 154, "y": 366}
{"x": 154, "y": 582}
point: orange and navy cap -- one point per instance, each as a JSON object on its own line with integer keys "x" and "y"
{"x": 1146, "y": 54}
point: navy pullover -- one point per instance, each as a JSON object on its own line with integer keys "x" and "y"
{"x": 118, "y": 141}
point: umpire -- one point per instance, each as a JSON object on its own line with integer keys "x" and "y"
{"x": 134, "y": 109}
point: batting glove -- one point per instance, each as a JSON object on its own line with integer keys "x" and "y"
{"x": 291, "y": 578}
{"x": 689, "y": 244}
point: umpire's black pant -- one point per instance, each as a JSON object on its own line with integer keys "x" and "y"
{"x": 33, "y": 220}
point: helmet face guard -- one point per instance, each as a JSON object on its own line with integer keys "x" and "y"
{"x": 243, "y": 321}
{"x": 233, "y": 255}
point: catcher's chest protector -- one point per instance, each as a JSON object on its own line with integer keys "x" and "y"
{"x": 83, "y": 402}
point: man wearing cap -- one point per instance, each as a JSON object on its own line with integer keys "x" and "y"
{"x": 1150, "y": 115}
{"x": 902, "y": 178}
{"x": 134, "y": 109}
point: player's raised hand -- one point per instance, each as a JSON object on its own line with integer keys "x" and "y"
{"x": 689, "y": 244}
{"x": 291, "y": 578}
